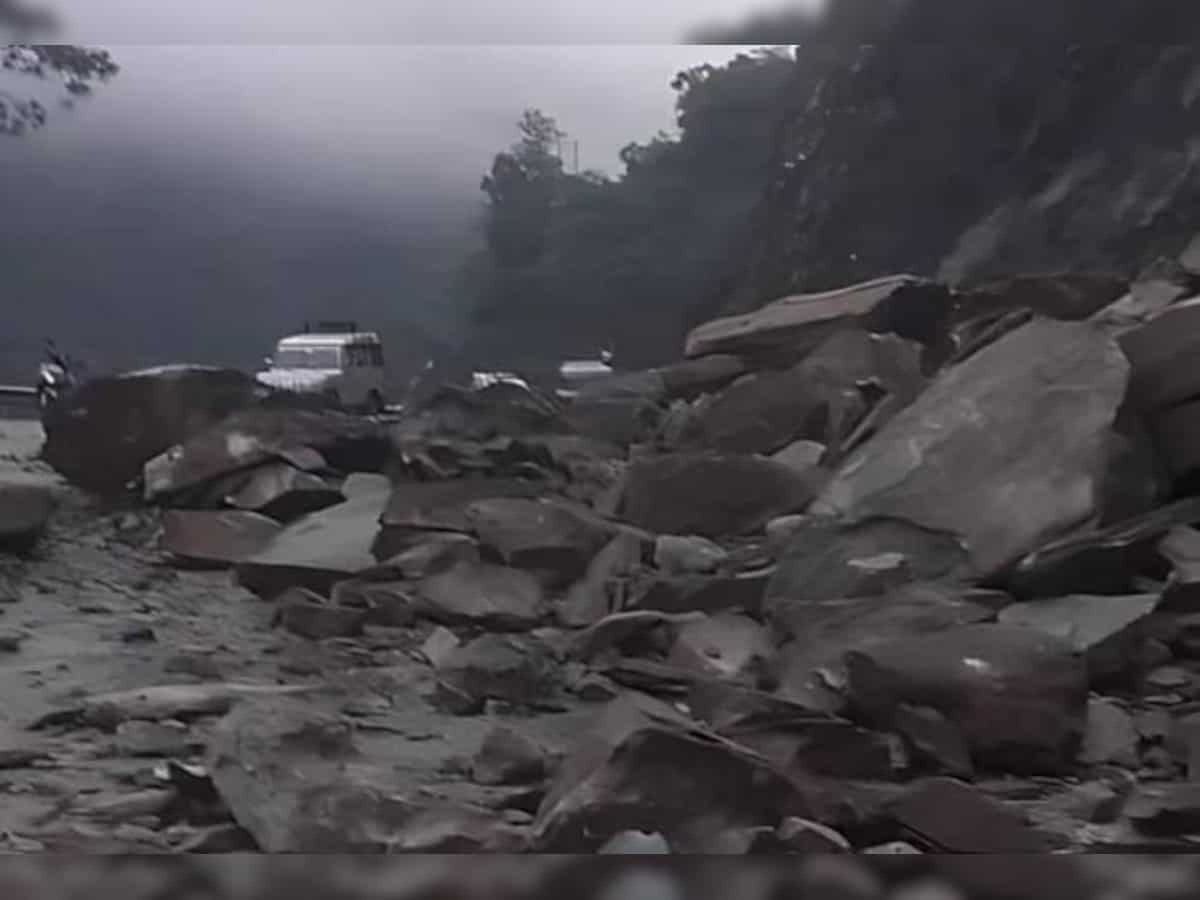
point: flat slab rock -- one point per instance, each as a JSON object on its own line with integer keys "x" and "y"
{"x": 1026, "y": 423}
{"x": 216, "y": 537}
{"x": 318, "y": 550}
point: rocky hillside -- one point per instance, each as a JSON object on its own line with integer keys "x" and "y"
{"x": 967, "y": 138}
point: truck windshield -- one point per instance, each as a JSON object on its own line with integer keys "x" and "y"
{"x": 307, "y": 358}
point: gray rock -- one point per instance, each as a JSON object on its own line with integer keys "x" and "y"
{"x": 726, "y": 645}
{"x": 284, "y": 493}
{"x": 510, "y": 668}
{"x": 1026, "y": 423}
{"x": 508, "y": 757}
{"x": 1018, "y": 696}
{"x": 1107, "y": 630}
{"x": 687, "y": 555}
{"x": 539, "y": 535}
{"x": 1110, "y": 736}
{"x": 711, "y": 494}
{"x": 826, "y": 560}
{"x": 218, "y": 538}
{"x": 308, "y": 615}
{"x": 482, "y": 594}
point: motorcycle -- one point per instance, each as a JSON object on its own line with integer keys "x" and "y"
{"x": 54, "y": 380}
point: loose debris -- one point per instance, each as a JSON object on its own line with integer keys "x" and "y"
{"x": 895, "y": 569}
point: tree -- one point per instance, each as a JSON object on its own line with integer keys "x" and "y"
{"x": 522, "y": 188}
{"x": 576, "y": 261}
{"x": 78, "y": 68}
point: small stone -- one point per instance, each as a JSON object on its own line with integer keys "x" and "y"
{"x": 197, "y": 665}
{"x": 438, "y": 645}
{"x": 306, "y": 615}
{"x": 516, "y": 817}
{"x": 895, "y": 848}
{"x": 139, "y": 634}
{"x": 594, "y": 688}
{"x": 507, "y": 757}
{"x": 686, "y": 555}
{"x": 1169, "y": 678}
{"x": 802, "y": 836}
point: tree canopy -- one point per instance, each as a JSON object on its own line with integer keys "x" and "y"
{"x": 573, "y": 262}
{"x": 77, "y": 68}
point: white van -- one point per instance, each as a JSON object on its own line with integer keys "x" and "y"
{"x": 344, "y": 366}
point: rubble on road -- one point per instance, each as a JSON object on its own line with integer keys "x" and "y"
{"x": 105, "y": 431}
{"x": 184, "y": 474}
{"x": 894, "y": 569}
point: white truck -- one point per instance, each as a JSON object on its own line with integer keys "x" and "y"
{"x": 336, "y": 361}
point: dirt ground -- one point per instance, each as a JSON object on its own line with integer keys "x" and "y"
{"x": 97, "y": 609}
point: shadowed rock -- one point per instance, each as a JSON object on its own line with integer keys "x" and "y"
{"x": 284, "y": 493}
{"x": 711, "y": 494}
{"x": 101, "y": 435}
{"x": 647, "y": 768}
{"x": 1018, "y": 696}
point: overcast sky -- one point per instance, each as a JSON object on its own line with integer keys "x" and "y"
{"x": 241, "y": 123}
{"x": 399, "y": 21}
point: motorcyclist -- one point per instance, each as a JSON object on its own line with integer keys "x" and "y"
{"x": 53, "y": 355}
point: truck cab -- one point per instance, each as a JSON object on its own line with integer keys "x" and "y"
{"x": 344, "y": 365}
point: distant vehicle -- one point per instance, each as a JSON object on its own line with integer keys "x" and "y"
{"x": 481, "y": 380}
{"x": 336, "y": 361}
{"x": 578, "y": 372}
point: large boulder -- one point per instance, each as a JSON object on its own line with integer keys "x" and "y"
{"x": 1007, "y": 451}
{"x": 255, "y": 436}
{"x": 797, "y": 324}
{"x": 646, "y": 767}
{"x": 1017, "y": 695}
{"x": 101, "y": 434}
{"x": 817, "y": 399}
{"x": 810, "y": 667}
{"x": 711, "y": 494}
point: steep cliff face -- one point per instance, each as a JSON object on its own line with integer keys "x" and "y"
{"x": 969, "y": 138}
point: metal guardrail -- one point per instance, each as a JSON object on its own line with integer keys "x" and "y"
{"x": 17, "y": 402}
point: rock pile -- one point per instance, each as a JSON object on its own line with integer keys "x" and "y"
{"x": 893, "y": 564}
